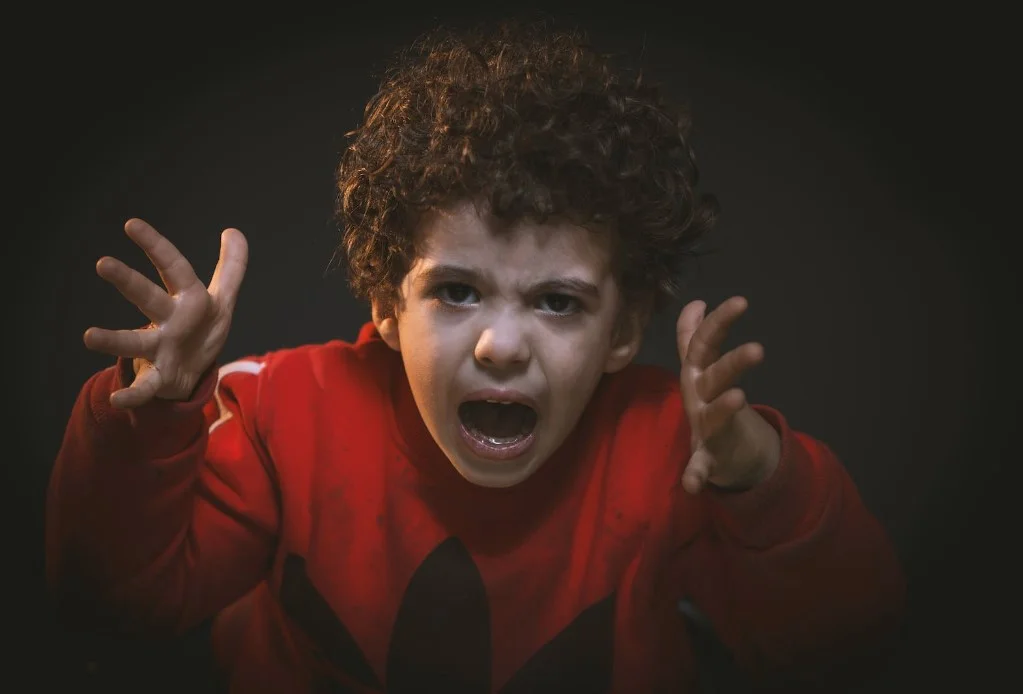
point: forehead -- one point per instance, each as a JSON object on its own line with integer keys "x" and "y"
{"x": 465, "y": 234}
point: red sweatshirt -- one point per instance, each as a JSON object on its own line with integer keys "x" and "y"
{"x": 300, "y": 498}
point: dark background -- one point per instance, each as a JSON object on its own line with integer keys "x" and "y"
{"x": 861, "y": 156}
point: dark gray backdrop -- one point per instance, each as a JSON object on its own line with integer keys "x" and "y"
{"x": 855, "y": 153}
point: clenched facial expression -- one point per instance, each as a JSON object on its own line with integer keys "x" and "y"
{"x": 505, "y": 332}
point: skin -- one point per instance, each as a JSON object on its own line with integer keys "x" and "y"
{"x": 512, "y": 320}
{"x": 495, "y": 327}
{"x": 189, "y": 320}
{"x": 506, "y": 325}
{"x": 733, "y": 446}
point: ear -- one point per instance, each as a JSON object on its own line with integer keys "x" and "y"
{"x": 387, "y": 326}
{"x": 627, "y": 337}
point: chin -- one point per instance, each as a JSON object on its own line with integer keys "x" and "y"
{"x": 494, "y": 475}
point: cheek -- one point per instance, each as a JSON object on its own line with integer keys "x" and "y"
{"x": 424, "y": 364}
{"x": 431, "y": 362}
{"x": 576, "y": 355}
{"x": 572, "y": 372}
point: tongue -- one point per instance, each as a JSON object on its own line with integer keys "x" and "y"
{"x": 497, "y": 420}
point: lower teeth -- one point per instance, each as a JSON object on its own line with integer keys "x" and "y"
{"x": 503, "y": 441}
{"x": 495, "y": 440}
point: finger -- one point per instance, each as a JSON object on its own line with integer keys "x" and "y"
{"x": 698, "y": 470}
{"x": 717, "y": 414}
{"x": 688, "y": 321}
{"x": 705, "y": 344}
{"x": 723, "y": 373}
{"x": 153, "y": 301}
{"x": 174, "y": 268}
{"x": 141, "y": 391}
{"x": 130, "y": 344}
{"x": 230, "y": 270}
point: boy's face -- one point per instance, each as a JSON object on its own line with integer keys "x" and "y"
{"x": 527, "y": 315}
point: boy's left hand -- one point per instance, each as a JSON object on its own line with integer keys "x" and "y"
{"x": 733, "y": 447}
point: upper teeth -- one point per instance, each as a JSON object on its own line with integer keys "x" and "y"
{"x": 500, "y": 402}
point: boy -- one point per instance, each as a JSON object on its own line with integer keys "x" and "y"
{"x": 482, "y": 493}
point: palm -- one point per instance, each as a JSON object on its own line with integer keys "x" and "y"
{"x": 189, "y": 321}
{"x": 190, "y": 342}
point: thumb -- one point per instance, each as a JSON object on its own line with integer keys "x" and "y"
{"x": 230, "y": 270}
{"x": 698, "y": 470}
{"x": 688, "y": 321}
{"x": 142, "y": 389}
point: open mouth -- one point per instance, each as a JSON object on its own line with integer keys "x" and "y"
{"x": 499, "y": 430}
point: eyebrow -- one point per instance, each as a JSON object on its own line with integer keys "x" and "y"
{"x": 439, "y": 274}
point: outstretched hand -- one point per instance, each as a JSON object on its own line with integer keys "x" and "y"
{"x": 189, "y": 321}
{"x": 732, "y": 446}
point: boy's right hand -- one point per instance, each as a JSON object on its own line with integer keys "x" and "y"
{"x": 190, "y": 321}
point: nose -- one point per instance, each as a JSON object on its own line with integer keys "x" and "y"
{"x": 502, "y": 344}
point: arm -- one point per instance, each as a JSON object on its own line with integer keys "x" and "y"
{"x": 798, "y": 578}
{"x": 162, "y": 505}
{"x": 153, "y": 519}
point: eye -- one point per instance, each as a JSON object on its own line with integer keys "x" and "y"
{"x": 456, "y": 294}
{"x": 559, "y": 304}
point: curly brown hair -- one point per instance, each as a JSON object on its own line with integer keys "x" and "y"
{"x": 538, "y": 125}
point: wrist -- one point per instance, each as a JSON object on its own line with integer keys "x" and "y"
{"x": 757, "y": 455}
{"x": 769, "y": 454}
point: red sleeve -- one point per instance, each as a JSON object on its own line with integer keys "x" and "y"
{"x": 160, "y": 516}
{"x": 798, "y": 578}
